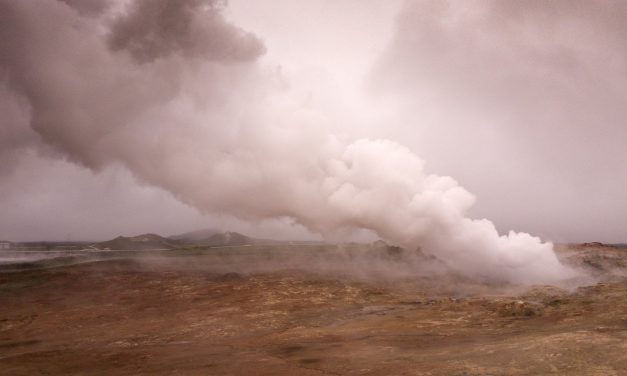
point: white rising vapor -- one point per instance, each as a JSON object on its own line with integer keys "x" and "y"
{"x": 174, "y": 93}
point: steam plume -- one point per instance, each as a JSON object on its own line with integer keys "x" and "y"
{"x": 174, "y": 92}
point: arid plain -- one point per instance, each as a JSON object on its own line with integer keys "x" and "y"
{"x": 191, "y": 312}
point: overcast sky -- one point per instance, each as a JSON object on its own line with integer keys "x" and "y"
{"x": 523, "y": 103}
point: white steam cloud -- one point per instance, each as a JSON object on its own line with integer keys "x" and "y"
{"x": 174, "y": 92}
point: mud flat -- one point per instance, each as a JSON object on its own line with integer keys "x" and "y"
{"x": 130, "y": 316}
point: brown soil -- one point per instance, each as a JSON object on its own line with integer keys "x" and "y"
{"x": 120, "y": 317}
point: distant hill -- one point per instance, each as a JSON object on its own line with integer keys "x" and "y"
{"x": 195, "y": 236}
{"x": 153, "y": 241}
{"x": 139, "y": 242}
{"x": 226, "y": 239}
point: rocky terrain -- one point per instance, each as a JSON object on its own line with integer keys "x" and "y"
{"x": 225, "y": 313}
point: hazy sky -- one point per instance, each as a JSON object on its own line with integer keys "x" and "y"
{"x": 522, "y": 102}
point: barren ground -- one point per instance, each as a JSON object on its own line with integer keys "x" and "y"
{"x": 128, "y": 317}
